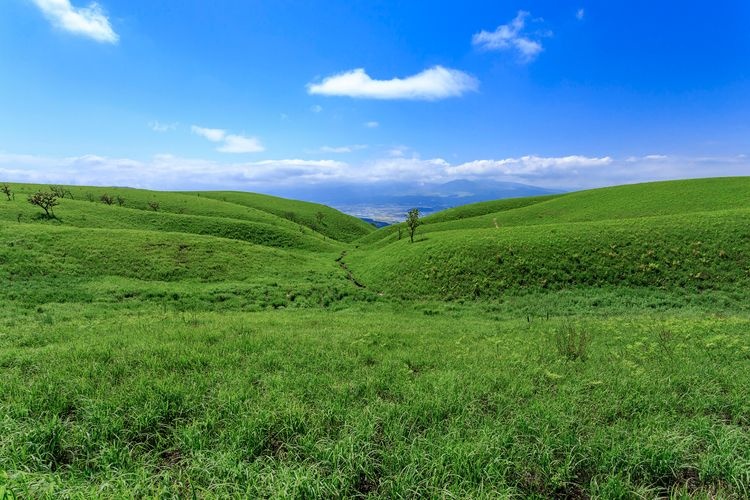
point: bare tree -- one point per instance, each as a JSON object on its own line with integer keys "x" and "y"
{"x": 6, "y": 191}
{"x": 45, "y": 201}
{"x": 412, "y": 222}
{"x": 61, "y": 192}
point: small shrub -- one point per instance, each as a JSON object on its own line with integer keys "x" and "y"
{"x": 89, "y": 197}
{"x": 6, "y": 191}
{"x": 153, "y": 205}
{"x": 572, "y": 341}
{"x": 120, "y": 200}
{"x": 45, "y": 201}
{"x": 61, "y": 192}
{"x": 106, "y": 199}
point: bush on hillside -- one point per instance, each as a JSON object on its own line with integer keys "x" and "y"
{"x": 61, "y": 192}
{"x": 412, "y": 222}
{"x": 45, "y": 201}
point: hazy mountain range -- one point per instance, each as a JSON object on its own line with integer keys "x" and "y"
{"x": 388, "y": 202}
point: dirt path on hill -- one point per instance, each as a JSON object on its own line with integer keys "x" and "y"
{"x": 348, "y": 271}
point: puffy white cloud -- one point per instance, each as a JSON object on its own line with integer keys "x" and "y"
{"x": 509, "y": 37}
{"x": 429, "y": 85}
{"x": 85, "y": 21}
{"x": 230, "y": 143}
{"x": 528, "y": 166}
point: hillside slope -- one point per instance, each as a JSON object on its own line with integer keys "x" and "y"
{"x": 324, "y": 219}
{"x": 186, "y": 213}
{"x": 612, "y": 203}
{"x": 665, "y": 235}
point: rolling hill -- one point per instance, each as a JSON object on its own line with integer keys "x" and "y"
{"x": 683, "y": 234}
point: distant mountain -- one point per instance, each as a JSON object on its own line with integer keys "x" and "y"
{"x": 390, "y": 201}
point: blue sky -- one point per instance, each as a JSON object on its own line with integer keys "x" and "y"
{"x": 255, "y": 94}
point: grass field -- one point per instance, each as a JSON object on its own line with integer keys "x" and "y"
{"x": 577, "y": 345}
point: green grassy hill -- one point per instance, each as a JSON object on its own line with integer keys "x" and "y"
{"x": 323, "y": 219}
{"x": 192, "y": 251}
{"x": 196, "y": 213}
{"x": 686, "y": 234}
{"x": 693, "y": 252}
{"x": 612, "y": 203}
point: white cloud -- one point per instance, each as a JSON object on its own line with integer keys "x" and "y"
{"x": 85, "y": 21}
{"x": 509, "y": 37}
{"x": 636, "y": 159}
{"x": 580, "y": 14}
{"x": 171, "y": 172}
{"x": 317, "y": 108}
{"x": 157, "y": 126}
{"x": 230, "y": 143}
{"x": 212, "y": 134}
{"x": 241, "y": 144}
{"x": 372, "y": 124}
{"x": 429, "y": 85}
{"x": 343, "y": 149}
{"x": 528, "y": 166}
{"x": 401, "y": 151}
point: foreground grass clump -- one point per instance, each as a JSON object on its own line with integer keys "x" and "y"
{"x": 386, "y": 401}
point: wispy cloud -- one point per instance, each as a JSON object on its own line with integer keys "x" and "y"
{"x": 157, "y": 126}
{"x": 430, "y": 85}
{"x": 172, "y": 172}
{"x": 212, "y": 134}
{"x": 240, "y": 144}
{"x": 580, "y": 14}
{"x": 343, "y": 149}
{"x": 510, "y": 37}
{"x": 85, "y": 21}
{"x": 400, "y": 151}
{"x": 316, "y": 108}
{"x": 372, "y": 124}
{"x": 230, "y": 143}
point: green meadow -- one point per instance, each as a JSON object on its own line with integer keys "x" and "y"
{"x": 210, "y": 344}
